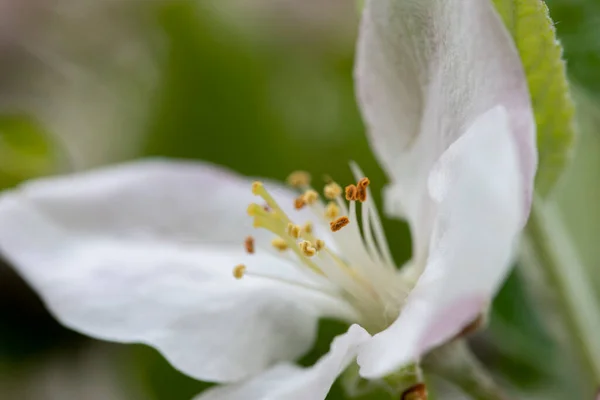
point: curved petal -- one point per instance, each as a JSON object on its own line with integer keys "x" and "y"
{"x": 144, "y": 253}
{"x": 425, "y": 70}
{"x": 475, "y": 186}
{"x": 294, "y": 383}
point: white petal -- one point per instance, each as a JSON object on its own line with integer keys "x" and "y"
{"x": 144, "y": 253}
{"x": 424, "y": 71}
{"x": 294, "y": 383}
{"x": 475, "y": 185}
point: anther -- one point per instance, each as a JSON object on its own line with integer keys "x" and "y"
{"x": 249, "y": 245}
{"x": 293, "y": 230}
{"x": 319, "y": 244}
{"x": 307, "y": 228}
{"x": 299, "y": 202}
{"x": 351, "y": 192}
{"x": 279, "y": 244}
{"x": 415, "y": 392}
{"x": 307, "y": 248}
{"x": 299, "y": 179}
{"x": 310, "y": 197}
{"x": 361, "y": 192}
{"x": 332, "y": 190}
{"x": 332, "y": 210}
{"x": 239, "y": 271}
{"x": 339, "y": 223}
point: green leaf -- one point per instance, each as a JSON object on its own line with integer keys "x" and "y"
{"x": 533, "y": 31}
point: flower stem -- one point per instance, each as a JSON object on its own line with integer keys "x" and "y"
{"x": 455, "y": 363}
{"x": 553, "y": 249}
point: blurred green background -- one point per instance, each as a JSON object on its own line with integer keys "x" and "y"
{"x": 263, "y": 87}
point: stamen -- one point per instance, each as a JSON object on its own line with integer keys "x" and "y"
{"x": 279, "y": 244}
{"x": 249, "y": 245}
{"x": 239, "y": 271}
{"x": 351, "y": 192}
{"x": 339, "y": 223}
{"x": 299, "y": 202}
{"x": 361, "y": 193}
{"x": 293, "y": 230}
{"x": 307, "y": 228}
{"x": 319, "y": 244}
{"x": 332, "y": 190}
{"x": 310, "y": 197}
{"x": 307, "y": 248}
{"x": 257, "y": 188}
{"x": 332, "y": 210}
{"x": 299, "y": 179}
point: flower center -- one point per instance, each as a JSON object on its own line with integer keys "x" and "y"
{"x": 355, "y": 262}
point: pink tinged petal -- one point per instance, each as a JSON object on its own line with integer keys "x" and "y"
{"x": 294, "y": 383}
{"x": 425, "y": 70}
{"x": 144, "y": 253}
{"x": 475, "y": 186}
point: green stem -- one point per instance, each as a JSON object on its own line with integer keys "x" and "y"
{"x": 455, "y": 363}
{"x": 553, "y": 248}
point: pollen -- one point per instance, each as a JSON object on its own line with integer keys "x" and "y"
{"x": 351, "y": 192}
{"x": 332, "y": 210}
{"x": 307, "y": 227}
{"x": 319, "y": 244}
{"x": 310, "y": 197}
{"x": 239, "y": 271}
{"x": 279, "y": 244}
{"x": 299, "y": 179}
{"x": 249, "y": 245}
{"x": 307, "y": 248}
{"x": 361, "y": 192}
{"x": 299, "y": 203}
{"x": 339, "y": 223}
{"x": 332, "y": 190}
{"x": 293, "y": 230}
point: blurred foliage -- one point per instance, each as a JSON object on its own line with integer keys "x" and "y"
{"x": 268, "y": 104}
{"x": 578, "y": 26}
{"x": 533, "y": 32}
{"x": 25, "y": 150}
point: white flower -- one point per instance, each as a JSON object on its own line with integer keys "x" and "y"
{"x": 143, "y": 252}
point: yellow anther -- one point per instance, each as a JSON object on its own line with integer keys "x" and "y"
{"x": 319, "y": 244}
{"x": 299, "y": 179}
{"x": 364, "y": 182}
{"x": 299, "y": 202}
{"x": 339, "y": 223}
{"x": 279, "y": 244}
{"x": 361, "y": 192}
{"x": 351, "y": 192}
{"x": 239, "y": 271}
{"x": 332, "y": 210}
{"x": 307, "y": 228}
{"x": 293, "y": 230}
{"x": 257, "y": 188}
{"x": 310, "y": 197}
{"x": 249, "y": 245}
{"x": 307, "y": 248}
{"x": 332, "y": 190}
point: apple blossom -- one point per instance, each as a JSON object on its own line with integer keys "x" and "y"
{"x": 144, "y": 252}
